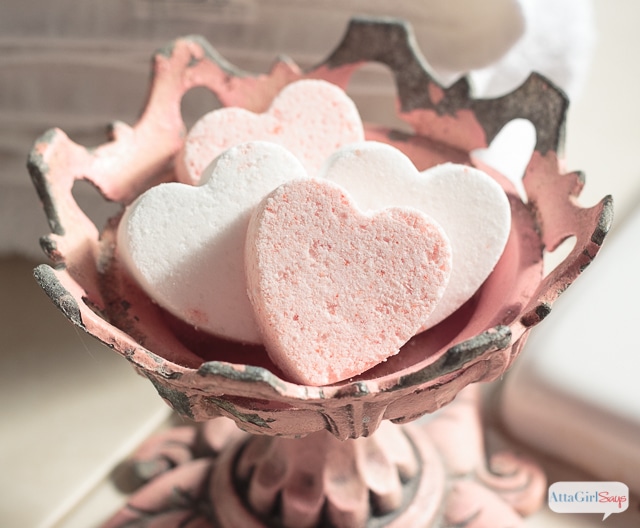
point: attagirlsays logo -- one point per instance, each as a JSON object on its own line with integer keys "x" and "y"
{"x": 589, "y": 497}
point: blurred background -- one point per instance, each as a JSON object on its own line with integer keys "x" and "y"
{"x": 72, "y": 409}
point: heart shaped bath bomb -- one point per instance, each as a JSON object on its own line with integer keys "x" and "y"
{"x": 337, "y": 291}
{"x": 311, "y": 118}
{"x": 468, "y": 204}
{"x": 184, "y": 245}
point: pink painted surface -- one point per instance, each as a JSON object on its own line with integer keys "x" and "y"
{"x": 202, "y": 378}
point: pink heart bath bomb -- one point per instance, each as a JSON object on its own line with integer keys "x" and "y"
{"x": 469, "y": 205}
{"x": 336, "y": 291}
{"x": 311, "y": 118}
{"x": 184, "y": 245}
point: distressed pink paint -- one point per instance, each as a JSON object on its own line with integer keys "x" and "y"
{"x": 315, "y": 447}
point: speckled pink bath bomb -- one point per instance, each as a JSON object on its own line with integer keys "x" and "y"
{"x": 311, "y": 118}
{"x": 336, "y": 291}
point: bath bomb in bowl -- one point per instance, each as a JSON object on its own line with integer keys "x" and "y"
{"x": 336, "y": 291}
{"x": 469, "y": 205}
{"x": 311, "y": 118}
{"x": 184, "y": 244}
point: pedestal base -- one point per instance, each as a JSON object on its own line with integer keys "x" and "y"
{"x": 432, "y": 475}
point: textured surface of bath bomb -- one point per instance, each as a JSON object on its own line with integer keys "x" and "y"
{"x": 468, "y": 204}
{"x": 185, "y": 245}
{"x": 311, "y": 118}
{"x": 337, "y": 291}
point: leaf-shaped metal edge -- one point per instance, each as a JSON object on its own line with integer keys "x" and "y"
{"x": 423, "y": 99}
{"x": 119, "y": 171}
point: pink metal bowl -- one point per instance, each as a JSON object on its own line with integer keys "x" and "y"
{"x": 203, "y": 377}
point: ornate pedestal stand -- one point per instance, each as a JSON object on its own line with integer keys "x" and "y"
{"x": 433, "y": 474}
{"x": 322, "y": 456}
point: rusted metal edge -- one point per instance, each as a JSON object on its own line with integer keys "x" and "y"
{"x": 458, "y": 356}
{"x": 64, "y": 301}
{"x": 38, "y": 170}
{"x": 392, "y": 42}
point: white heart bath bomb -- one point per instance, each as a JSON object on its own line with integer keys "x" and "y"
{"x": 337, "y": 291}
{"x": 184, "y": 245}
{"x": 311, "y": 118}
{"x": 468, "y": 204}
